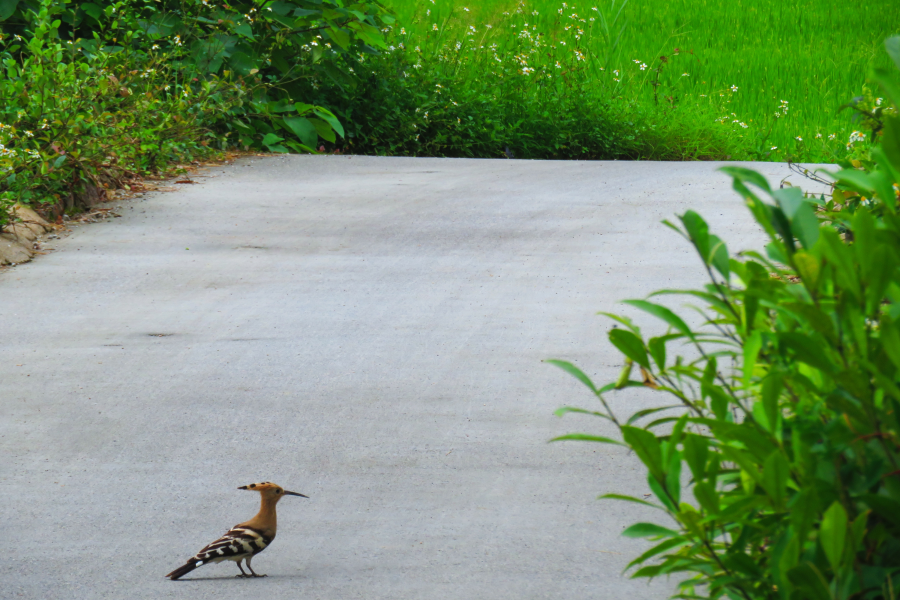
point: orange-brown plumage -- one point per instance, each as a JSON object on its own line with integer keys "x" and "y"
{"x": 245, "y": 540}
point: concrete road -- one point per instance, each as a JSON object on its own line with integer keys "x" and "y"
{"x": 367, "y": 331}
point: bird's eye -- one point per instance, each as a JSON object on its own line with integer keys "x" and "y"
{"x": 277, "y": 491}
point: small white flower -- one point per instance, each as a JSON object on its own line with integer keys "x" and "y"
{"x": 734, "y": 88}
{"x": 685, "y": 75}
{"x": 643, "y": 67}
{"x": 798, "y": 138}
{"x": 774, "y": 148}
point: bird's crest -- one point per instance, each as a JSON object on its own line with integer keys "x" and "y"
{"x": 260, "y": 487}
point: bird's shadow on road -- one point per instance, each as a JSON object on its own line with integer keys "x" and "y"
{"x": 242, "y": 579}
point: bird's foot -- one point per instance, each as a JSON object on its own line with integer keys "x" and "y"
{"x": 258, "y": 575}
{"x": 243, "y": 575}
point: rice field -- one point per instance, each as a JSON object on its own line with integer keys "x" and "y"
{"x": 772, "y": 73}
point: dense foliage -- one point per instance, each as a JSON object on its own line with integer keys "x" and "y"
{"x": 787, "y": 428}
{"x": 90, "y": 91}
{"x": 506, "y": 89}
{"x": 765, "y": 76}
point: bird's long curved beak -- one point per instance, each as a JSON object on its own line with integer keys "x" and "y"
{"x": 287, "y": 493}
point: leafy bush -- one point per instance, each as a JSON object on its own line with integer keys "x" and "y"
{"x": 92, "y": 91}
{"x": 789, "y": 432}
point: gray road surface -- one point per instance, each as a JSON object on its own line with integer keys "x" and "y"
{"x": 367, "y": 331}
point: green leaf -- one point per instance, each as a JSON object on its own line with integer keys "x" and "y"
{"x": 89, "y": 8}
{"x": 658, "y": 549}
{"x": 571, "y": 409}
{"x": 808, "y": 268}
{"x": 673, "y": 477}
{"x": 641, "y": 530}
{"x": 245, "y": 30}
{"x": 661, "y": 312}
{"x": 698, "y": 232}
{"x": 833, "y": 534}
{"x": 706, "y": 494}
{"x": 885, "y": 79}
{"x": 339, "y": 37}
{"x": 718, "y": 256}
{"x": 745, "y": 460}
{"x": 805, "y": 226}
{"x": 280, "y": 8}
{"x": 809, "y": 581}
{"x": 696, "y": 450}
{"x": 242, "y": 63}
{"x": 892, "y": 45}
{"x": 890, "y": 141}
{"x": 776, "y": 471}
{"x": 886, "y": 508}
{"x": 323, "y": 129}
{"x": 628, "y": 499}
{"x": 657, "y": 347}
{"x": 752, "y": 346}
{"x": 650, "y": 411}
{"x": 271, "y": 139}
{"x": 630, "y": 345}
{"x": 661, "y": 493}
{"x": 804, "y": 509}
{"x": 7, "y": 8}
{"x": 646, "y": 446}
{"x": 807, "y": 350}
{"x": 303, "y": 129}
{"x": 790, "y": 199}
{"x": 747, "y": 176}
{"x": 574, "y": 371}
{"x": 584, "y": 437}
{"x": 841, "y": 257}
{"x": 327, "y": 116}
{"x": 771, "y": 390}
{"x": 890, "y": 339}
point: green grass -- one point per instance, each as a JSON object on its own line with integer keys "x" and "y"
{"x": 745, "y": 62}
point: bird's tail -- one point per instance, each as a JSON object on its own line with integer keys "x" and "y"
{"x": 183, "y": 570}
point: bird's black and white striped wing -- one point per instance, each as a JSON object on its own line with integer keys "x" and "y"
{"x": 237, "y": 543}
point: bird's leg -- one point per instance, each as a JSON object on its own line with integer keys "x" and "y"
{"x": 242, "y": 569}
{"x": 252, "y": 572}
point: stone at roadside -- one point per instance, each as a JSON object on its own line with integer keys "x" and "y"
{"x": 27, "y": 215}
{"x": 21, "y": 232}
{"x": 12, "y": 251}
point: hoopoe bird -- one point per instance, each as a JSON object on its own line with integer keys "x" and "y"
{"x": 245, "y": 540}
